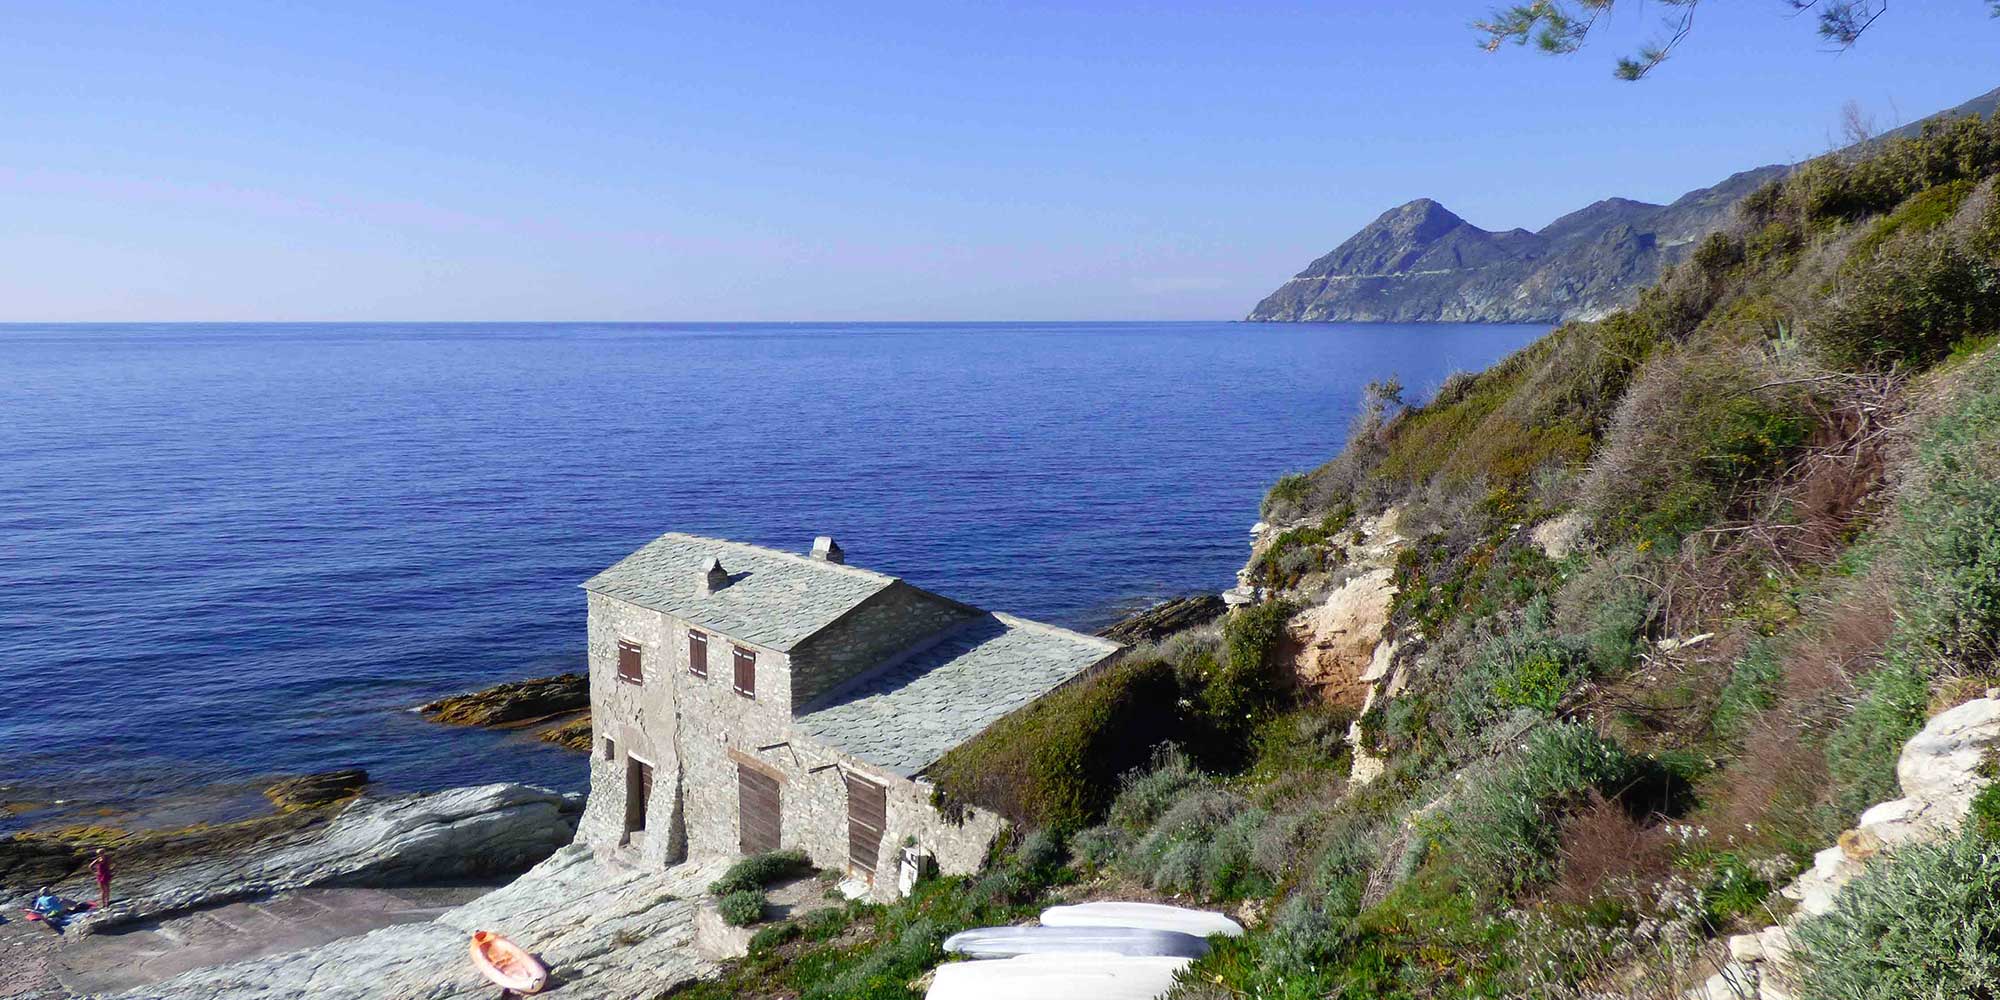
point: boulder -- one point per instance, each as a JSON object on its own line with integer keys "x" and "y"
{"x": 1557, "y": 537}
{"x": 513, "y": 702}
{"x": 572, "y": 735}
{"x": 1166, "y": 618}
{"x": 314, "y": 790}
{"x": 1941, "y": 765}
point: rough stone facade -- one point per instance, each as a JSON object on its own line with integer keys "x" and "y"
{"x": 698, "y": 733}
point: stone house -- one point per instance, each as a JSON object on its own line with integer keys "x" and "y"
{"x": 746, "y": 699}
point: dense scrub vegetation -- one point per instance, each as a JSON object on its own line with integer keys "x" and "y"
{"x": 1782, "y": 466}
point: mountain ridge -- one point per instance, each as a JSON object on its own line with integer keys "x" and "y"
{"x": 1422, "y": 263}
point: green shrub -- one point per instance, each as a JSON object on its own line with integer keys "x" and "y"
{"x": 1752, "y": 688}
{"x": 1245, "y": 688}
{"x": 1095, "y": 849}
{"x": 1861, "y": 755}
{"x": 775, "y": 936}
{"x": 742, "y": 908}
{"x": 1299, "y": 551}
{"x": 1503, "y": 828}
{"x": 1145, "y": 795}
{"x": 1056, "y": 763}
{"x": 1692, "y": 438}
{"x": 1984, "y": 820}
{"x": 1922, "y": 212}
{"x": 1921, "y": 922}
{"x": 1717, "y": 253}
{"x": 1911, "y": 301}
{"x": 1539, "y": 681}
{"x": 1946, "y": 546}
{"x": 760, "y": 870}
{"x": 1287, "y": 495}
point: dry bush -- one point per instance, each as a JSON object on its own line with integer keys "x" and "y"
{"x": 1848, "y": 643}
{"x": 1603, "y": 845}
{"x": 1778, "y": 773}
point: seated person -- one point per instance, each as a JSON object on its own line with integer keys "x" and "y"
{"x": 48, "y": 904}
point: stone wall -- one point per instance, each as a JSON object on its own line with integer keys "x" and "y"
{"x": 697, "y": 731}
{"x": 641, "y": 721}
{"x": 891, "y": 622}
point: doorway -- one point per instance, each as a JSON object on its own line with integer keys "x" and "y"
{"x": 638, "y": 792}
{"x": 867, "y": 815}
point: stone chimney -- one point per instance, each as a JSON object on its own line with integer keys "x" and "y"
{"x": 713, "y": 577}
{"x": 828, "y": 550}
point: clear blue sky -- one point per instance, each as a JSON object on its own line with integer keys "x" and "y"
{"x": 776, "y": 161}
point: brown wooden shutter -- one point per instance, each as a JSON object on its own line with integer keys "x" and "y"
{"x": 697, "y": 653}
{"x": 629, "y": 668}
{"x": 746, "y": 672}
{"x": 867, "y": 817}
{"x": 757, "y": 812}
{"x": 610, "y": 749}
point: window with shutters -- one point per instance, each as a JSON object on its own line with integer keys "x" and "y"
{"x": 697, "y": 653}
{"x": 629, "y": 669}
{"x": 746, "y": 672}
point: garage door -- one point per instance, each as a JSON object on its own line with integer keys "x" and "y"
{"x": 756, "y": 810}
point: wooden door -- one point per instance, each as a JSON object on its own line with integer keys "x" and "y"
{"x": 638, "y": 793}
{"x": 757, "y": 812}
{"x": 867, "y": 816}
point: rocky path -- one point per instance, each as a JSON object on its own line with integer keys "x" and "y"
{"x": 604, "y": 929}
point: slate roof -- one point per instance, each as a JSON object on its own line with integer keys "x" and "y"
{"x": 905, "y": 717}
{"x": 773, "y": 599}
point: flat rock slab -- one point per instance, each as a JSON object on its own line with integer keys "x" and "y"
{"x": 152, "y": 950}
{"x": 605, "y": 930}
{"x": 406, "y": 840}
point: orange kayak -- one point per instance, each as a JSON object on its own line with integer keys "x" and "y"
{"x": 507, "y": 964}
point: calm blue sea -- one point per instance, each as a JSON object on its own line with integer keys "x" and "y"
{"x": 233, "y": 551}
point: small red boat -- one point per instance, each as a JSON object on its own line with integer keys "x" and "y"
{"x": 506, "y": 964}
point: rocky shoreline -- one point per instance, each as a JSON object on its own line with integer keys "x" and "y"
{"x": 325, "y": 831}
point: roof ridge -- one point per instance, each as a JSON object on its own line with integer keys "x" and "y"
{"x": 766, "y": 550}
{"x": 1030, "y": 623}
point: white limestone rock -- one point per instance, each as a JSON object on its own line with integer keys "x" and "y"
{"x": 603, "y": 930}
{"x": 1940, "y": 766}
{"x": 1557, "y": 537}
{"x": 480, "y": 830}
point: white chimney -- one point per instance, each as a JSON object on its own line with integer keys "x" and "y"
{"x": 713, "y": 577}
{"x": 828, "y": 550}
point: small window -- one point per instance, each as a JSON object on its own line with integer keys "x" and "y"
{"x": 629, "y": 669}
{"x": 697, "y": 653}
{"x": 610, "y": 749}
{"x": 746, "y": 672}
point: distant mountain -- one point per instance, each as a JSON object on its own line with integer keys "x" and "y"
{"x": 1419, "y": 263}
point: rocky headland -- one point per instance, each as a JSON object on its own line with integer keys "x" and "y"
{"x": 1420, "y": 263}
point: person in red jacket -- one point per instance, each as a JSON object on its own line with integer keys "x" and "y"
{"x": 100, "y": 866}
